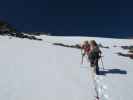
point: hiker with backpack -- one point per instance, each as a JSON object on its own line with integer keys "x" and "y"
{"x": 85, "y": 49}
{"x": 94, "y": 56}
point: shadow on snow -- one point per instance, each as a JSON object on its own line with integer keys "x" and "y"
{"x": 113, "y": 71}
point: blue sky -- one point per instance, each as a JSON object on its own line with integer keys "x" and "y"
{"x": 69, "y": 16}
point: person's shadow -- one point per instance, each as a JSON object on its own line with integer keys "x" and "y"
{"x": 112, "y": 71}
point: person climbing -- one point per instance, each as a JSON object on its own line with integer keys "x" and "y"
{"x": 85, "y": 49}
{"x": 94, "y": 56}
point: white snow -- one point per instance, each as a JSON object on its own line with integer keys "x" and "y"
{"x": 38, "y": 70}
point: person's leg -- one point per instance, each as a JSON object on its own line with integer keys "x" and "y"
{"x": 92, "y": 64}
{"x": 97, "y": 68}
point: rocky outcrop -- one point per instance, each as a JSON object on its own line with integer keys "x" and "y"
{"x": 6, "y": 27}
{"x": 77, "y": 46}
{"x": 125, "y": 55}
{"x": 22, "y": 36}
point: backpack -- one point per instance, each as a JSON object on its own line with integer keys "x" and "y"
{"x": 86, "y": 48}
{"x": 95, "y": 54}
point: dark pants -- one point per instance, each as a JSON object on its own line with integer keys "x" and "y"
{"x": 94, "y": 63}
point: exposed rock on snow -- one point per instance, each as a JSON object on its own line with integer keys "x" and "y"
{"x": 21, "y": 35}
{"x": 125, "y": 55}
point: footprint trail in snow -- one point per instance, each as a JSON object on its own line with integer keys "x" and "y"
{"x": 100, "y": 88}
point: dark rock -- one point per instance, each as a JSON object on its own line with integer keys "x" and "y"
{"x": 77, "y": 46}
{"x": 125, "y": 55}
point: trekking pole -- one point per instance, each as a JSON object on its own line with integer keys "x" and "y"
{"x": 82, "y": 57}
{"x": 102, "y": 63}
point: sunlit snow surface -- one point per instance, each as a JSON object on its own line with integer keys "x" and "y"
{"x": 38, "y": 70}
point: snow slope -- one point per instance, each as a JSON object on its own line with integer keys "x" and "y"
{"x": 38, "y": 70}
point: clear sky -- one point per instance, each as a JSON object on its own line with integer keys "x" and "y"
{"x": 69, "y": 16}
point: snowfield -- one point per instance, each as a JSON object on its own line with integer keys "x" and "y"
{"x": 38, "y": 70}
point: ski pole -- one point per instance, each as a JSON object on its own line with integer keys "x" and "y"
{"x": 82, "y": 57}
{"x": 102, "y": 63}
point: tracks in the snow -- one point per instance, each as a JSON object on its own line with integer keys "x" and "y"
{"x": 100, "y": 88}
